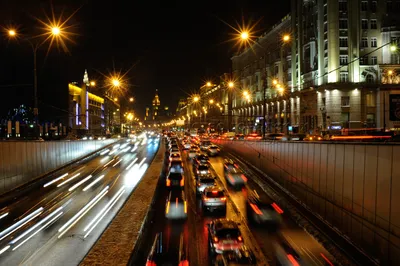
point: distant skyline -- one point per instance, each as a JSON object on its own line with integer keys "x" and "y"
{"x": 173, "y": 47}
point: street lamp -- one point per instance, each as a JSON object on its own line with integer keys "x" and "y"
{"x": 211, "y": 101}
{"x": 131, "y": 99}
{"x": 244, "y": 35}
{"x": 231, "y": 84}
{"x": 115, "y": 99}
{"x": 196, "y": 99}
{"x": 116, "y": 83}
{"x": 286, "y": 38}
{"x": 208, "y": 84}
{"x": 12, "y": 33}
{"x": 92, "y": 83}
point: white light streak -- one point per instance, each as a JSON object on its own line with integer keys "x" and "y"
{"x": 3, "y": 215}
{"x": 117, "y": 163}
{"x": 94, "y": 182}
{"x": 68, "y": 180}
{"x": 80, "y": 183}
{"x": 105, "y": 209}
{"x": 134, "y": 149}
{"x": 15, "y": 240}
{"x": 4, "y": 249}
{"x": 130, "y": 165}
{"x": 20, "y": 223}
{"x": 40, "y": 229}
{"x": 109, "y": 162}
{"x": 55, "y": 180}
{"x": 144, "y": 159}
{"x": 105, "y": 152}
{"x": 71, "y": 222}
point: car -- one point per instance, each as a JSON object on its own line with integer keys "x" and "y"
{"x": 174, "y": 150}
{"x": 173, "y": 145}
{"x": 201, "y": 170}
{"x": 204, "y": 144}
{"x": 253, "y": 136}
{"x": 313, "y": 138}
{"x": 213, "y": 150}
{"x": 204, "y": 182}
{"x": 175, "y": 156}
{"x": 175, "y": 180}
{"x": 213, "y": 198}
{"x": 176, "y": 167}
{"x": 274, "y": 136}
{"x": 263, "y": 211}
{"x": 224, "y": 235}
{"x": 242, "y": 256}
{"x": 186, "y": 145}
{"x": 193, "y": 152}
{"x": 176, "y": 205}
{"x": 200, "y": 159}
{"x": 228, "y": 164}
{"x": 235, "y": 177}
{"x": 239, "y": 137}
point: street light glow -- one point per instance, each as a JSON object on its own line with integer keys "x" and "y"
{"x": 116, "y": 82}
{"x": 231, "y": 84}
{"x": 55, "y": 31}
{"x": 115, "y": 99}
{"x": 12, "y": 33}
{"x": 131, "y": 99}
{"x": 244, "y": 35}
{"x": 274, "y": 81}
{"x": 92, "y": 83}
{"x": 208, "y": 84}
{"x": 196, "y": 99}
{"x": 390, "y": 72}
{"x": 245, "y": 93}
{"x": 393, "y": 48}
{"x": 286, "y": 38}
{"x": 211, "y": 101}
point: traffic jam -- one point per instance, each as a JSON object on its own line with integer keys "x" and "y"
{"x": 218, "y": 217}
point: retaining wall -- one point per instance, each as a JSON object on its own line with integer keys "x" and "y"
{"x": 353, "y": 186}
{"x": 23, "y": 161}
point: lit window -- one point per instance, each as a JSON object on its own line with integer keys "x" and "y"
{"x": 344, "y": 77}
{"x": 374, "y": 42}
{"x": 374, "y": 60}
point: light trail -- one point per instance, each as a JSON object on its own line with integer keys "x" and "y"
{"x": 55, "y": 180}
{"x": 93, "y": 183}
{"x": 117, "y": 163}
{"x": 109, "y": 162}
{"x": 3, "y": 215}
{"x": 80, "y": 183}
{"x": 130, "y": 165}
{"x": 68, "y": 180}
{"x": 20, "y": 223}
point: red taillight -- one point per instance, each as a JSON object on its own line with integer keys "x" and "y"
{"x": 255, "y": 209}
{"x": 244, "y": 178}
{"x": 168, "y": 183}
{"x": 277, "y": 208}
{"x": 184, "y": 263}
{"x": 237, "y": 166}
{"x": 231, "y": 178}
{"x": 182, "y": 183}
{"x": 292, "y": 260}
{"x": 215, "y": 239}
{"x": 240, "y": 239}
{"x": 150, "y": 263}
{"x": 215, "y": 191}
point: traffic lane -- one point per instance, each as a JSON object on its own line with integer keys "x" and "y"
{"x": 310, "y": 250}
{"x": 37, "y": 193}
{"x": 200, "y": 220}
{"x": 158, "y": 223}
{"x": 35, "y": 252}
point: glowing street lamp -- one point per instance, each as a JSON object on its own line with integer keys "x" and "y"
{"x": 196, "y": 99}
{"x": 131, "y": 99}
{"x": 286, "y": 38}
{"x": 92, "y": 83}
{"x": 231, "y": 84}
{"x": 116, "y": 82}
{"x": 211, "y": 101}
{"x": 245, "y": 93}
{"x": 275, "y": 82}
{"x": 208, "y": 84}
{"x": 390, "y": 72}
{"x": 393, "y": 48}
{"x": 115, "y": 99}
{"x": 12, "y": 33}
{"x": 55, "y": 31}
{"x": 244, "y": 35}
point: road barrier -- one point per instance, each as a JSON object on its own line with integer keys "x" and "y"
{"x": 352, "y": 186}
{"x": 23, "y": 161}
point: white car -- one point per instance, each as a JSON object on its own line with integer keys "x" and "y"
{"x": 186, "y": 146}
{"x": 213, "y": 150}
{"x": 193, "y": 152}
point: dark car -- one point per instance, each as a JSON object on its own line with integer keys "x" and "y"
{"x": 262, "y": 210}
{"x": 200, "y": 159}
{"x": 274, "y": 136}
{"x": 175, "y": 180}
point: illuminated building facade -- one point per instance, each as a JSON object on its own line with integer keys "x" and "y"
{"x": 345, "y": 72}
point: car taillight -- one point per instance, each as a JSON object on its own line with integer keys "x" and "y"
{"x": 223, "y": 198}
{"x": 185, "y": 207}
{"x": 240, "y": 239}
{"x": 182, "y": 183}
{"x": 244, "y": 178}
{"x": 167, "y": 208}
{"x": 215, "y": 239}
{"x": 292, "y": 260}
{"x": 150, "y": 263}
{"x": 168, "y": 183}
{"x": 277, "y": 208}
{"x": 255, "y": 209}
{"x": 184, "y": 263}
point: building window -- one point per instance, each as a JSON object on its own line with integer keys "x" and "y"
{"x": 345, "y": 100}
{"x": 364, "y": 60}
{"x": 343, "y": 24}
{"x": 326, "y": 62}
{"x": 389, "y": 6}
{"x": 325, "y": 45}
{"x": 373, "y": 6}
{"x": 374, "y": 26}
{"x": 374, "y": 42}
{"x": 364, "y": 24}
{"x": 343, "y": 59}
{"x": 364, "y": 6}
{"x": 343, "y": 6}
{"x": 343, "y": 42}
{"x": 364, "y": 42}
{"x": 344, "y": 77}
{"x": 374, "y": 60}
{"x": 370, "y": 79}
{"x": 370, "y": 99}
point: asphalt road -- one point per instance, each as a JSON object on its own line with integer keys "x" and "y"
{"x": 265, "y": 245}
{"x": 56, "y": 223}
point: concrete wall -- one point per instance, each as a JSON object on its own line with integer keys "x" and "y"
{"x": 355, "y": 187}
{"x": 21, "y": 162}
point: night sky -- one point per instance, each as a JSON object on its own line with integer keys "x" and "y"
{"x": 173, "y": 46}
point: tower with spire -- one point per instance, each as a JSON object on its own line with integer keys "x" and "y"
{"x": 156, "y": 106}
